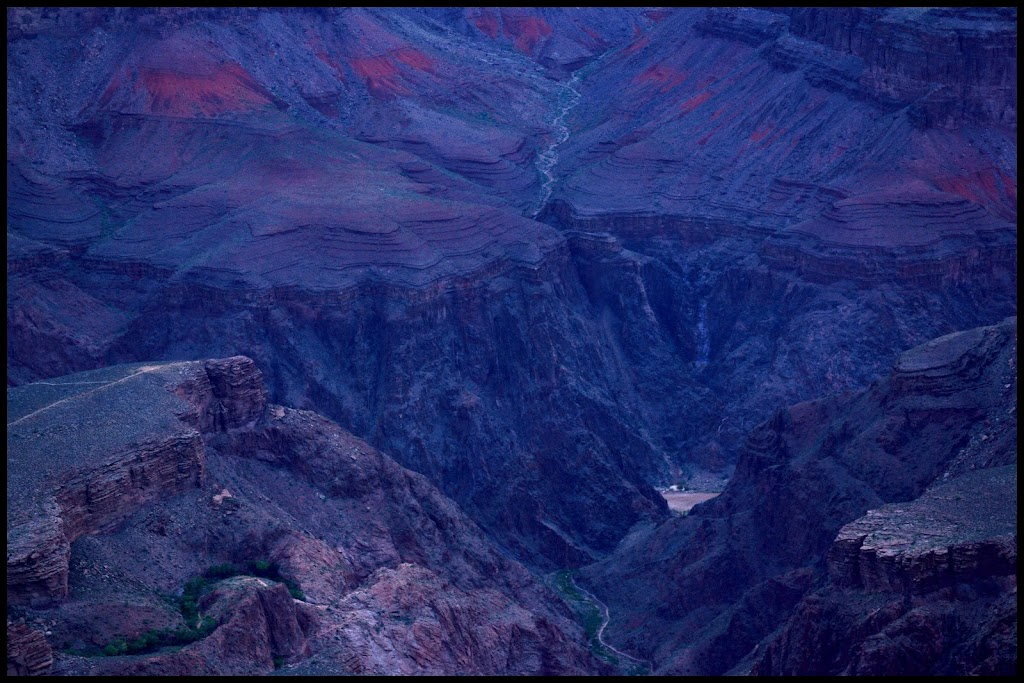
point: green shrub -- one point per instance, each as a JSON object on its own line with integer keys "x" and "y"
{"x": 195, "y": 586}
{"x": 189, "y": 609}
{"x": 195, "y": 628}
{"x": 263, "y": 568}
{"x": 183, "y": 635}
{"x": 116, "y": 647}
{"x": 147, "y": 642}
{"x": 206, "y": 626}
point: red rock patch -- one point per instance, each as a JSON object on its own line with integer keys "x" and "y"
{"x": 228, "y": 88}
{"x": 415, "y": 59}
{"x": 694, "y": 102}
{"x": 637, "y": 45}
{"x": 487, "y": 23}
{"x": 525, "y": 31}
{"x": 380, "y": 74}
{"x": 660, "y": 75}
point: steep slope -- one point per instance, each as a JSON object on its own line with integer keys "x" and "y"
{"x": 126, "y": 484}
{"x": 925, "y": 587}
{"x": 749, "y": 209}
{"x": 817, "y": 180}
{"x": 354, "y": 201}
{"x": 900, "y": 589}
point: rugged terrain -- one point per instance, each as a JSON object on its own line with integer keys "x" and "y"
{"x": 351, "y": 210}
{"x": 544, "y": 257}
{"x": 878, "y": 526}
{"x": 125, "y": 484}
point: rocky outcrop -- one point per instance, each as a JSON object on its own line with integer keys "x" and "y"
{"x": 442, "y": 629}
{"x": 71, "y": 473}
{"x": 259, "y": 623}
{"x": 28, "y": 651}
{"x": 962, "y": 62}
{"x": 229, "y": 394}
{"x": 926, "y": 586}
{"x": 394, "y": 578}
{"x": 930, "y": 451}
{"x": 957, "y": 533}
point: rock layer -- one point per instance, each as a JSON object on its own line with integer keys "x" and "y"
{"x": 745, "y": 209}
{"x": 925, "y": 586}
{"x": 72, "y": 473}
{"x": 28, "y": 652}
{"x": 751, "y": 208}
{"x": 394, "y": 578}
{"x": 929, "y": 451}
{"x": 258, "y": 623}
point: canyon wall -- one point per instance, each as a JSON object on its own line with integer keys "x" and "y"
{"x": 394, "y": 577}
{"x": 740, "y": 218}
{"x": 876, "y": 525}
{"x": 544, "y": 258}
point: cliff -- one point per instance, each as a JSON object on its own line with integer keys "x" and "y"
{"x": 28, "y": 651}
{"x": 403, "y": 228}
{"x": 180, "y": 468}
{"x": 863, "y": 533}
{"x": 926, "y": 586}
{"x": 736, "y": 215}
{"x": 544, "y": 257}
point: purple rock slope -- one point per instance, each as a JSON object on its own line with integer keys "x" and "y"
{"x": 545, "y": 257}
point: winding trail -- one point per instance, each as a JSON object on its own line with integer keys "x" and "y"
{"x": 605, "y": 618}
{"x": 105, "y": 383}
{"x": 547, "y": 159}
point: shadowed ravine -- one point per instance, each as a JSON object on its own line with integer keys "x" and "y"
{"x": 437, "y": 298}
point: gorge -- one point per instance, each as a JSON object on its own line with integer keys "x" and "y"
{"x": 497, "y": 274}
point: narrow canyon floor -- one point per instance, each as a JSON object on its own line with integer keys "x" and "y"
{"x": 369, "y": 340}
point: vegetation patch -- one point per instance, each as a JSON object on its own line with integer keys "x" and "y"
{"x": 589, "y": 613}
{"x": 196, "y": 626}
{"x": 591, "y": 617}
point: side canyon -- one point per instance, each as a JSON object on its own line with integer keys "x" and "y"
{"x": 440, "y": 296}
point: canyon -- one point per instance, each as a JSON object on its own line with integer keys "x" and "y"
{"x": 439, "y": 296}
{"x": 209, "y": 474}
{"x": 879, "y": 526}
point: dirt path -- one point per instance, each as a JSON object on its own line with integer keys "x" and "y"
{"x": 605, "y": 618}
{"x": 106, "y": 384}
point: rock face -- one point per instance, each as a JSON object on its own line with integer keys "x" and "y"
{"x": 751, "y": 208}
{"x": 258, "y": 623}
{"x": 773, "y": 117}
{"x": 935, "y": 543}
{"x": 73, "y": 469}
{"x": 748, "y": 209}
{"x": 182, "y": 467}
{"x": 927, "y": 586}
{"x": 28, "y": 651}
{"x": 908, "y": 52}
{"x": 771, "y": 165}
{"x": 543, "y": 257}
{"x": 876, "y": 528}
{"x": 400, "y": 236}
